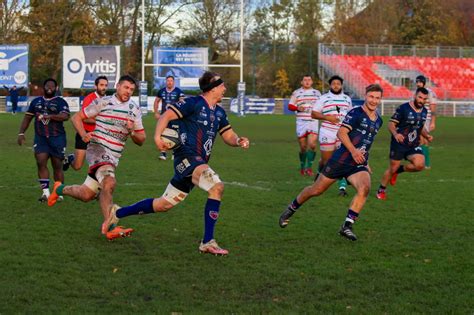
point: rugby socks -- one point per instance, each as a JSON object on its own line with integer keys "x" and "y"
{"x": 211, "y": 213}
{"x": 401, "y": 169}
{"x": 351, "y": 217}
{"x": 311, "y": 155}
{"x": 59, "y": 190}
{"x": 342, "y": 184}
{"x": 426, "y": 153}
{"x": 44, "y": 183}
{"x": 141, "y": 207}
{"x": 302, "y": 159}
{"x": 294, "y": 205}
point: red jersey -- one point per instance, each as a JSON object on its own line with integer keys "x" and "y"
{"x": 87, "y": 101}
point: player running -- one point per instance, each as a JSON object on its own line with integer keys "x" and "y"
{"x": 201, "y": 119}
{"x": 169, "y": 95}
{"x": 331, "y": 108}
{"x": 357, "y": 133}
{"x": 430, "y": 123}
{"x": 49, "y": 112}
{"x": 76, "y": 160}
{"x": 302, "y": 102}
{"x": 117, "y": 117}
{"x": 406, "y": 127}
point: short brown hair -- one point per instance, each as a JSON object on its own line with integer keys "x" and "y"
{"x": 374, "y": 88}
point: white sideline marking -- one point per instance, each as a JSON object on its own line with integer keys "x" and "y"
{"x": 247, "y": 186}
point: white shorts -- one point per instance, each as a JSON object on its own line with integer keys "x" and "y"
{"x": 427, "y": 125}
{"x": 328, "y": 140}
{"x": 306, "y": 127}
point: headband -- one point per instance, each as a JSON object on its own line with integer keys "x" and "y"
{"x": 212, "y": 85}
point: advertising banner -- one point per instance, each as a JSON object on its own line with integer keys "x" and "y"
{"x": 254, "y": 105}
{"x": 83, "y": 64}
{"x": 185, "y": 77}
{"x": 14, "y": 65}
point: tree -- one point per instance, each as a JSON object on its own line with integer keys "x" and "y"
{"x": 282, "y": 84}
{"x": 10, "y": 12}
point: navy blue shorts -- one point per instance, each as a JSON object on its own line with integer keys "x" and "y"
{"x": 399, "y": 152}
{"x": 54, "y": 146}
{"x": 183, "y": 172}
{"x": 80, "y": 145}
{"x": 335, "y": 170}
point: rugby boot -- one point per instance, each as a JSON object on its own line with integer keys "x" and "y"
{"x": 346, "y": 231}
{"x": 285, "y": 217}
{"x": 211, "y": 247}
{"x": 118, "y": 232}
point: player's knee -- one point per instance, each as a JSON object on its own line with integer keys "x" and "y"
{"x": 419, "y": 166}
{"x": 108, "y": 184}
{"x": 363, "y": 190}
{"x": 217, "y": 190}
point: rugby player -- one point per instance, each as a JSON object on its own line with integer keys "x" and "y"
{"x": 76, "y": 160}
{"x": 201, "y": 119}
{"x": 302, "y": 101}
{"x": 430, "y": 124}
{"x": 331, "y": 108}
{"x": 49, "y": 112}
{"x": 350, "y": 161}
{"x": 169, "y": 95}
{"x": 406, "y": 127}
{"x": 117, "y": 118}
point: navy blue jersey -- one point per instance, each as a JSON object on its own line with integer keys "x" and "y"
{"x": 53, "y": 106}
{"x": 199, "y": 125}
{"x": 168, "y": 98}
{"x": 362, "y": 134}
{"x": 409, "y": 123}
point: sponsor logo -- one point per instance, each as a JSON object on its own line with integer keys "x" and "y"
{"x": 99, "y": 66}
{"x": 214, "y": 215}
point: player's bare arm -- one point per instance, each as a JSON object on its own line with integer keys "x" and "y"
{"x": 138, "y": 137}
{"x": 320, "y": 116}
{"x": 392, "y": 127}
{"x": 232, "y": 139}
{"x": 24, "y": 126}
{"x": 168, "y": 116}
{"x": 77, "y": 120}
{"x": 343, "y": 135}
{"x": 426, "y": 134}
{"x": 433, "y": 117}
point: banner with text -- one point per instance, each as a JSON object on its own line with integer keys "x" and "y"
{"x": 186, "y": 77}
{"x": 14, "y": 65}
{"x": 83, "y": 64}
{"x": 254, "y": 105}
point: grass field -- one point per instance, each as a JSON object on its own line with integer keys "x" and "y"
{"x": 414, "y": 254}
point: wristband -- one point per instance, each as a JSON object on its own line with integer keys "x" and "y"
{"x": 237, "y": 141}
{"x": 21, "y": 134}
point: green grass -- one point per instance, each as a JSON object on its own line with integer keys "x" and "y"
{"x": 414, "y": 253}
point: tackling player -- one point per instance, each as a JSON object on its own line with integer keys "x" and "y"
{"x": 302, "y": 101}
{"x": 117, "y": 118}
{"x": 430, "y": 124}
{"x": 49, "y": 112}
{"x": 331, "y": 108}
{"x": 406, "y": 127}
{"x": 76, "y": 160}
{"x": 169, "y": 95}
{"x": 350, "y": 161}
{"x": 201, "y": 119}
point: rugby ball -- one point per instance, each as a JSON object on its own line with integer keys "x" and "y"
{"x": 171, "y": 138}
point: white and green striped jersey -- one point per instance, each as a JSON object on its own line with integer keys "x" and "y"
{"x": 333, "y": 105}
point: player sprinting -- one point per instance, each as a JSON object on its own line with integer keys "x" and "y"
{"x": 430, "y": 124}
{"x": 117, "y": 117}
{"x": 169, "y": 95}
{"x": 49, "y": 112}
{"x": 331, "y": 108}
{"x": 406, "y": 127}
{"x": 357, "y": 133}
{"x": 201, "y": 119}
{"x": 76, "y": 160}
{"x": 302, "y": 101}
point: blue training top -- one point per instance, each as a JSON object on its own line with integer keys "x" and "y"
{"x": 199, "y": 125}
{"x": 362, "y": 134}
{"x": 41, "y": 106}
{"x": 409, "y": 123}
{"x": 169, "y": 97}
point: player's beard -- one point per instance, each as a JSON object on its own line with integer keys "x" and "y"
{"x": 334, "y": 92}
{"x": 48, "y": 93}
{"x": 417, "y": 104}
{"x": 101, "y": 92}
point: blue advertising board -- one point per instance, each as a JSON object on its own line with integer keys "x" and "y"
{"x": 186, "y": 77}
{"x": 14, "y": 65}
{"x": 254, "y": 105}
{"x": 83, "y": 64}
